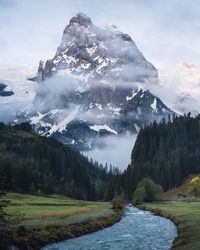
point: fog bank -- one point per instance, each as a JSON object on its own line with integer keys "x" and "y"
{"x": 117, "y": 152}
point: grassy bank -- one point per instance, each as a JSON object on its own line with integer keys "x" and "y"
{"x": 186, "y": 215}
{"x": 45, "y": 220}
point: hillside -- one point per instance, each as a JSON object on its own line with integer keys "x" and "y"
{"x": 33, "y": 164}
{"x": 172, "y": 193}
{"x": 168, "y": 152}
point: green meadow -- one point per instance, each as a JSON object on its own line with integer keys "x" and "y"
{"x": 36, "y": 210}
{"x": 38, "y": 221}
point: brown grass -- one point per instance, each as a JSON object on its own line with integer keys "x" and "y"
{"x": 172, "y": 193}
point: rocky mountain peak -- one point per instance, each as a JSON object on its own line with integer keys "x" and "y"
{"x": 98, "y": 53}
{"x": 81, "y": 19}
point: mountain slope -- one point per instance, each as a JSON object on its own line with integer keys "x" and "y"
{"x": 30, "y": 163}
{"x": 94, "y": 86}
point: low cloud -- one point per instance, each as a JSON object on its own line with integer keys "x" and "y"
{"x": 54, "y": 93}
{"x": 117, "y": 152}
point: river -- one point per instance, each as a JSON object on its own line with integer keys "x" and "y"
{"x": 136, "y": 230}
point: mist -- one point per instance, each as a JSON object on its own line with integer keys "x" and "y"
{"x": 116, "y": 152}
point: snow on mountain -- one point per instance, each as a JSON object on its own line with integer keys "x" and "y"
{"x": 94, "y": 86}
{"x": 96, "y": 53}
{"x": 180, "y": 88}
{"x": 16, "y": 91}
{"x": 103, "y": 127}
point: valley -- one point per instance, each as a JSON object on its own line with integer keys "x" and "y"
{"x": 99, "y": 125}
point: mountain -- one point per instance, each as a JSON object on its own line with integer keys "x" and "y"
{"x": 94, "y": 86}
{"x": 180, "y": 87}
{"x": 16, "y": 91}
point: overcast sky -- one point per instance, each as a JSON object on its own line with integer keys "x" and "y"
{"x": 166, "y": 31}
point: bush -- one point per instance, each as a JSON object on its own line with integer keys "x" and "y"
{"x": 147, "y": 190}
{"x": 118, "y": 201}
{"x": 194, "y": 186}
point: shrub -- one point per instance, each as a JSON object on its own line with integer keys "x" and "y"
{"x": 194, "y": 186}
{"x": 147, "y": 190}
{"x": 118, "y": 201}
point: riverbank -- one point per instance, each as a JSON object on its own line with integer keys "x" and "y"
{"x": 48, "y": 220}
{"x": 186, "y": 216}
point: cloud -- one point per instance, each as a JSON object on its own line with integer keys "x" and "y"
{"x": 117, "y": 152}
{"x": 165, "y": 31}
{"x": 179, "y": 88}
{"x": 55, "y": 92}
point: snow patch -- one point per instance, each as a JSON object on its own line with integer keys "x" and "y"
{"x": 137, "y": 127}
{"x": 154, "y": 105}
{"x": 134, "y": 93}
{"x": 103, "y": 127}
{"x": 35, "y": 119}
{"x": 62, "y": 125}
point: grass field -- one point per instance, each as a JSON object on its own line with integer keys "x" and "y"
{"x": 44, "y": 220}
{"x": 36, "y": 210}
{"x": 187, "y": 214}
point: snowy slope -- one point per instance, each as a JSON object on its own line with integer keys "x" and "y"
{"x": 180, "y": 87}
{"x": 15, "y": 79}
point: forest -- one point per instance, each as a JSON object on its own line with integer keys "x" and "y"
{"x": 167, "y": 152}
{"x": 32, "y": 164}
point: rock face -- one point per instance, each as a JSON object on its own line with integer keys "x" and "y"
{"x": 94, "y": 86}
{"x": 4, "y": 92}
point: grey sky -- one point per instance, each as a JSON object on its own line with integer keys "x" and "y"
{"x": 166, "y": 31}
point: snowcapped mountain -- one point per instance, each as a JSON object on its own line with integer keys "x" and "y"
{"x": 180, "y": 88}
{"x": 94, "y": 86}
{"x": 94, "y": 53}
{"x": 16, "y": 91}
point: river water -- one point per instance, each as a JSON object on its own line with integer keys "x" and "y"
{"x": 137, "y": 230}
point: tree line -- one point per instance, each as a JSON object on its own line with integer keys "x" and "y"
{"x": 166, "y": 152}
